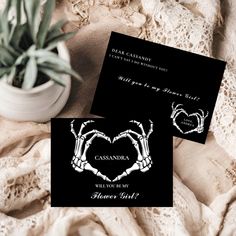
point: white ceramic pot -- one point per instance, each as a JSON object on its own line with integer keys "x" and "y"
{"x": 39, "y": 104}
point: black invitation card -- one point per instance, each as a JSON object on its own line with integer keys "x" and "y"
{"x": 140, "y": 77}
{"x": 111, "y": 162}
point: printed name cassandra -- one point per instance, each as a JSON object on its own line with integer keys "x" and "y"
{"x": 128, "y": 54}
{"x": 111, "y": 158}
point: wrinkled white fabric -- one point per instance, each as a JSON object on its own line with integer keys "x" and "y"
{"x": 187, "y": 217}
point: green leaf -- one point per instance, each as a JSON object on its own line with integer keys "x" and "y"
{"x": 62, "y": 37}
{"x": 45, "y": 23}
{"x": 17, "y": 35}
{"x": 32, "y": 11}
{"x": 17, "y": 4}
{"x": 18, "y": 11}
{"x": 32, "y": 48}
{"x": 1, "y": 22}
{"x": 5, "y": 24}
{"x": 13, "y": 52}
{"x": 12, "y": 75}
{"x": 20, "y": 60}
{"x": 62, "y": 70}
{"x": 52, "y": 75}
{"x": 20, "y": 77}
{"x": 4, "y": 71}
{"x": 41, "y": 53}
{"x": 6, "y": 57}
{"x": 52, "y": 61}
{"x": 55, "y": 30}
{"x": 12, "y": 28}
{"x": 31, "y": 73}
{"x": 7, "y": 9}
{"x": 53, "y": 58}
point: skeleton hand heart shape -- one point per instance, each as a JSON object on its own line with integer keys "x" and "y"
{"x": 84, "y": 140}
{"x": 188, "y": 123}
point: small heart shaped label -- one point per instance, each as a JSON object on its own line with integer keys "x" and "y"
{"x": 188, "y": 123}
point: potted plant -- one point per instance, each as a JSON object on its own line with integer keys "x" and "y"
{"x": 34, "y": 62}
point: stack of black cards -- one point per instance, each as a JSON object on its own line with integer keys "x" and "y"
{"x": 146, "y": 93}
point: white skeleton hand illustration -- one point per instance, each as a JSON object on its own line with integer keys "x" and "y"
{"x": 176, "y": 110}
{"x": 79, "y": 161}
{"x": 140, "y": 142}
{"x": 200, "y": 119}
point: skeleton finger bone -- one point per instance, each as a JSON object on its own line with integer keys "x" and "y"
{"x": 94, "y": 131}
{"x": 96, "y": 172}
{"x": 176, "y": 109}
{"x": 139, "y": 124}
{"x": 72, "y": 129}
{"x": 199, "y": 128}
{"x": 84, "y": 165}
{"x": 200, "y": 118}
{"x": 134, "y": 167}
{"x": 97, "y": 134}
{"x": 176, "y": 112}
{"x": 151, "y": 129}
{"x": 84, "y": 124}
{"x": 145, "y": 164}
{"x": 124, "y": 134}
{"x": 134, "y": 142}
{"x": 203, "y": 113}
{"x": 78, "y": 164}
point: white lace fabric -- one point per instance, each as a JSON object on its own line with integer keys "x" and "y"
{"x": 187, "y": 217}
{"x": 174, "y": 25}
{"x": 26, "y": 179}
{"x": 223, "y": 123}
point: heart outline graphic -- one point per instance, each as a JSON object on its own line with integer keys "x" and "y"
{"x": 201, "y": 116}
{"x": 79, "y": 161}
{"x": 188, "y": 115}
